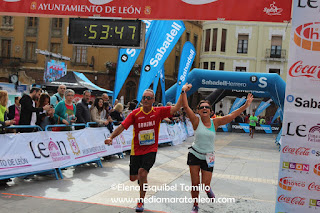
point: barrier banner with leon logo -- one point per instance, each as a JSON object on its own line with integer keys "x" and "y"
{"x": 299, "y": 173}
{"x": 245, "y": 10}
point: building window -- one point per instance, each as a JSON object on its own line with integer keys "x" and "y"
{"x": 221, "y": 66}
{"x": 80, "y": 54}
{"x": 274, "y": 71}
{"x": 57, "y": 23}
{"x": 30, "y": 50}
{"x": 241, "y": 69}
{"x": 187, "y": 36}
{"x": 32, "y": 21}
{"x": 242, "y": 44}
{"x": 7, "y": 21}
{"x": 55, "y": 47}
{"x": 130, "y": 91}
{"x": 213, "y": 65}
{"x": 6, "y": 48}
{"x": 195, "y": 41}
{"x": 214, "y": 39}
{"x": 207, "y": 40}
{"x": 223, "y": 40}
{"x": 276, "y": 46}
{"x": 205, "y": 65}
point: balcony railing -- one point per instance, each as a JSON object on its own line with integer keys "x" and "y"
{"x": 10, "y": 62}
{"x": 276, "y": 53}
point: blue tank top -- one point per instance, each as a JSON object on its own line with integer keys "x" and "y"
{"x": 204, "y": 140}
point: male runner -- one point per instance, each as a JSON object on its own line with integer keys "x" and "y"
{"x": 146, "y": 122}
{"x": 253, "y": 120}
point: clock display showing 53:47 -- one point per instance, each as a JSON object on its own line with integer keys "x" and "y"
{"x": 104, "y": 32}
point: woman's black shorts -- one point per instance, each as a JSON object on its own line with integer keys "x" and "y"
{"x": 194, "y": 161}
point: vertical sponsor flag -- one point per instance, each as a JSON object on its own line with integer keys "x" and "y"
{"x": 163, "y": 86}
{"x": 277, "y": 114}
{"x": 126, "y": 59}
{"x": 164, "y": 36}
{"x": 186, "y": 60}
{"x": 299, "y": 172}
{"x": 263, "y": 105}
{"x": 237, "y": 104}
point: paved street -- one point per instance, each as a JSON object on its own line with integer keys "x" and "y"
{"x": 245, "y": 169}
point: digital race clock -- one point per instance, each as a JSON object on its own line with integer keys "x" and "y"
{"x": 106, "y": 32}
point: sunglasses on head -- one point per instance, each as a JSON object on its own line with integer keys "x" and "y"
{"x": 205, "y": 107}
{"x": 147, "y": 97}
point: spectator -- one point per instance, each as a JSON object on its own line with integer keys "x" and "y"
{"x": 96, "y": 111}
{"x": 116, "y": 114}
{"x": 45, "y": 118}
{"x": 83, "y": 112}
{"x": 3, "y": 111}
{"x": 115, "y": 102}
{"x": 14, "y": 110}
{"x": 105, "y": 98}
{"x": 28, "y": 115}
{"x": 65, "y": 111}
{"x": 59, "y": 96}
{"x": 106, "y": 101}
{"x": 3, "y": 120}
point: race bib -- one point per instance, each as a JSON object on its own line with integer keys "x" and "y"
{"x": 210, "y": 158}
{"x": 146, "y": 137}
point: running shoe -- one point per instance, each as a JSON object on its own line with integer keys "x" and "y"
{"x": 140, "y": 207}
{"x": 195, "y": 209}
{"x": 210, "y": 194}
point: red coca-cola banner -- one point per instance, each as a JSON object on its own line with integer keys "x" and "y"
{"x": 245, "y": 10}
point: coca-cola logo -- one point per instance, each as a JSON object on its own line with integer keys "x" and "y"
{"x": 273, "y": 10}
{"x": 294, "y": 200}
{"x": 303, "y": 151}
{"x": 287, "y": 183}
{"x": 314, "y": 187}
{"x": 316, "y": 169}
{"x": 307, "y": 36}
{"x": 299, "y": 69}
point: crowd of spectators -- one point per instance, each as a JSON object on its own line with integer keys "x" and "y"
{"x": 38, "y": 108}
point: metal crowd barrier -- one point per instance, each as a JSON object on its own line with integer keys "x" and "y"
{"x": 55, "y": 171}
{"x": 24, "y": 127}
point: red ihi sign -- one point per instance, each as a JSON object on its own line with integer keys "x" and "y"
{"x": 244, "y": 10}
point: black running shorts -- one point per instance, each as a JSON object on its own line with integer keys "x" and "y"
{"x": 142, "y": 161}
{"x": 194, "y": 161}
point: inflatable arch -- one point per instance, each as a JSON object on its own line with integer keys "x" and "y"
{"x": 219, "y": 94}
{"x": 271, "y": 83}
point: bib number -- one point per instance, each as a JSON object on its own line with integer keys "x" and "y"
{"x": 146, "y": 137}
{"x": 210, "y": 158}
